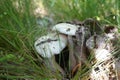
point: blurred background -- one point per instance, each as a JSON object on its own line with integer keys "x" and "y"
{"x": 23, "y": 21}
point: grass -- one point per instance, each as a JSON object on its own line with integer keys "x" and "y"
{"x": 81, "y": 9}
{"x": 18, "y": 31}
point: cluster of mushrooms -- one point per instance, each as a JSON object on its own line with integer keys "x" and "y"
{"x": 67, "y": 47}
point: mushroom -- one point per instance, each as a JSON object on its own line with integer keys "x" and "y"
{"x": 98, "y": 44}
{"x": 50, "y": 45}
{"x": 66, "y": 28}
{"x": 69, "y": 30}
{"x": 102, "y": 43}
{"x": 102, "y": 46}
{"x": 113, "y": 34}
{"x": 77, "y": 34}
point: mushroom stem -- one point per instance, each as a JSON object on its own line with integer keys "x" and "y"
{"x": 53, "y": 66}
{"x": 80, "y": 45}
{"x": 72, "y": 60}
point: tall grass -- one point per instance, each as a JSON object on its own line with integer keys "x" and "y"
{"x": 64, "y": 10}
{"x": 18, "y": 31}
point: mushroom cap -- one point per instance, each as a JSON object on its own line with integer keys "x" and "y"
{"x": 50, "y": 44}
{"x": 100, "y": 42}
{"x": 66, "y": 28}
{"x": 102, "y": 54}
{"x": 102, "y": 51}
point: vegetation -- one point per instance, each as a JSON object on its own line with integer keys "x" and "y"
{"x": 18, "y": 31}
{"x": 82, "y": 9}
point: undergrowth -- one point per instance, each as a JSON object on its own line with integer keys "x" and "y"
{"x": 18, "y": 31}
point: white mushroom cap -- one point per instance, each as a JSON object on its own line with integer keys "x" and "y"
{"x": 102, "y": 54}
{"x": 66, "y": 28}
{"x": 50, "y": 44}
{"x": 100, "y": 41}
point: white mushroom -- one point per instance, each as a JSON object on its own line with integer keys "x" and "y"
{"x": 69, "y": 30}
{"x": 102, "y": 46}
{"x": 66, "y": 28}
{"x": 104, "y": 67}
{"x": 50, "y": 44}
{"x": 76, "y": 34}
{"x": 102, "y": 54}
